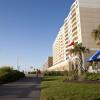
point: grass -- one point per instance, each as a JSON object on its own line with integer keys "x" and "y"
{"x": 53, "y": 88}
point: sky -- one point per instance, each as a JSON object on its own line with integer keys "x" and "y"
{"x": 28, "y": 29}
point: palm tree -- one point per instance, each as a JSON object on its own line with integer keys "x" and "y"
{"x": 77, "y": 51}
{"x": 96, "y": 36}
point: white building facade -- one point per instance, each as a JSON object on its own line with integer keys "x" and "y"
{"x": 83, "y": 18}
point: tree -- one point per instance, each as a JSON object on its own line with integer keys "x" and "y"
{"x": 96, "y": 36}
{"x": 78, "y": 50}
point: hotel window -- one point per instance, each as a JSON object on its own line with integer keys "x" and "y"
{"x": 73, "y": 11}
{"x": 75, "y": 38}
{"x": 65, "y": 39}
{"x": 73, "y": 19}
{"x": 74, "y": 29}
{"x": 66, "y": 35}
{"x": 74, "y": 14}
{"x": 73, "y": 24}
{"x": 66, "y": 24}
{"x": 66, "y": 31}
{"x": 67, "y": 51}
{"x": 75, "y": 33}
{"x": 73, "y": 7}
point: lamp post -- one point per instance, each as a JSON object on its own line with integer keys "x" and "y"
{"x": 18, "y": 67}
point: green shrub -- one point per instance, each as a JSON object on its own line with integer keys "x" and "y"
{"x": 7, "y": 74}
{"x": 34, "y": 72}
{"x": 11, "y": 76}
{"x": 92, "y": 76}
{"x": 5, "y": 69}
{"x": 73, "y": 75}
{"x": 29, "y": 72}
{"x": 54, "y": 73}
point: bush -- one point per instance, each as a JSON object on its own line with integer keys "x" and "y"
{"x": 29, "y": 72}
{"x": 92, "y": 76}
{"x": 5, "y": 69}
{"x": 73, "y": 75}
{"x": 54, "y": 73}
{"x": 7, "y": 74}
{"x": 34, "y": 72}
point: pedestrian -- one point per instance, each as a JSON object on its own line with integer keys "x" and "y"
{"x": 38, "y": 72}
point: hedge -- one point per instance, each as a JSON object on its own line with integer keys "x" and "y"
{"x": 7, "y": 74}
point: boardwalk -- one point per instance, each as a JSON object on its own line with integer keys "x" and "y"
{"x": 25, "y": 89}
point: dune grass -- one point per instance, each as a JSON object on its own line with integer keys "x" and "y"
{"x": 53, "y": 88}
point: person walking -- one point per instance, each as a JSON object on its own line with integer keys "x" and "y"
{"x": 38, "y": 72}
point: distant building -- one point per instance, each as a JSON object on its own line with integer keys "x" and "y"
{"x": 48, "y": 63}
{"x": 83, "y": 18}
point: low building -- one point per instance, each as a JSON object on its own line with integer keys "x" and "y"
{"x": 48, "y": 63}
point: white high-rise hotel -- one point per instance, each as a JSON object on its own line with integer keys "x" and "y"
{"x": 84, "y": 16}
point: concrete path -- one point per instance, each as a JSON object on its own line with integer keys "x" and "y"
{"x": 24, "y": 89}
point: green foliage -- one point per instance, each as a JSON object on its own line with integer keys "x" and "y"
{"x": 92, "y": 76}
{"x": 57, "y": 89}
{"x": 29, "y": 72}
{"x": 78, "y": 48}
{"x": 7, "y": 74}
{"x": 34, "y": 72}
{"x": 5, "y": 69}
{"x": 72, "y": 75}
{"x": 54, "y": 73}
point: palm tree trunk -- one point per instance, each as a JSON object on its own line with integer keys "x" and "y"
{"x": 80, "y": 64}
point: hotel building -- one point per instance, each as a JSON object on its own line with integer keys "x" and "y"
{"x": 83, "y": 18}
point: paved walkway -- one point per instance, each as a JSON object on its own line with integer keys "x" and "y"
{"x": 24, "y": 89}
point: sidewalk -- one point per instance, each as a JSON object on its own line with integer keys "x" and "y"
{"x": 24, "y": 89}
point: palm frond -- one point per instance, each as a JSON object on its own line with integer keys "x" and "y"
{"x": 78, "y": 48}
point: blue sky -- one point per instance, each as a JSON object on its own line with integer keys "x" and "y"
{"x": 28, "y": 29}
